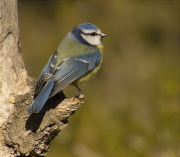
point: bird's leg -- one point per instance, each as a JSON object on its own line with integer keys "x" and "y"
{"x": 79, "y": 93}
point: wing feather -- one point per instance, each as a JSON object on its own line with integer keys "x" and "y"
{"x": 42, "y": 97}
{"x": 47, "y": 72}
{"x": 73, "y": 68}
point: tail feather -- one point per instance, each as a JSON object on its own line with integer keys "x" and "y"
{"x": 42, "y": 97}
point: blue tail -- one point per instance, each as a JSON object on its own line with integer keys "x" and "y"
{"x": 42, "y": 97}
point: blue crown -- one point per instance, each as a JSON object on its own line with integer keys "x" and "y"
{"x": 88, "y": 26}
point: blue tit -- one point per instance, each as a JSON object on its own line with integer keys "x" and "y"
{"x": 76, "y": 61}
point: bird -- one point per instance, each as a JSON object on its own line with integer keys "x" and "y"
{"x": 75, "y": 62}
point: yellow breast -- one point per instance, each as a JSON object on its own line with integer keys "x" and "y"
{"x": 86, "y": 78}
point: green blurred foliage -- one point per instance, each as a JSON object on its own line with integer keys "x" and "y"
{"x": 131, "y": 108}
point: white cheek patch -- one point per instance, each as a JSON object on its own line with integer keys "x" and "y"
{"x": 93, "y": 40}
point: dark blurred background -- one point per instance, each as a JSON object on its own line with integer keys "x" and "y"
{"x": 131, "y": 108}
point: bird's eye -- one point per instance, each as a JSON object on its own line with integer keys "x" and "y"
{"x": 93, "y": 33}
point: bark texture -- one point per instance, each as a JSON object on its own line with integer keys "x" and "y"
{"x": 22, "y": 134}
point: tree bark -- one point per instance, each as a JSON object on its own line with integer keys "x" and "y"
{"x": 22, "y": 134}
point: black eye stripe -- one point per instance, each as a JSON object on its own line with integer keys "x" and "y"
{"x": 92, "y": 34}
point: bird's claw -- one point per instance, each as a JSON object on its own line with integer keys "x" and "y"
{"x": 78, "y": 94}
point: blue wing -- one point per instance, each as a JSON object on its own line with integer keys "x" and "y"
{"x": 73, "y": 68}
{"x": 42, "y": 97}
{"x": 68, "y": 71}
{"x": 47, "y": 72}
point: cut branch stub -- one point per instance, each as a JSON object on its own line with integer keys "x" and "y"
{"x": 32, "y": 134}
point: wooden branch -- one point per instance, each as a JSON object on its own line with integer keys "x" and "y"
{"x": 32, "y": 134}
{"x": 22, "y": 134}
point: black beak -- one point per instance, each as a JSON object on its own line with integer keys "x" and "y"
{"x": 103, "y": 34}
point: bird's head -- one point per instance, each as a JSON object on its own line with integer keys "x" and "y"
{"x": 88, "y": 33}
